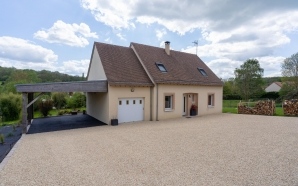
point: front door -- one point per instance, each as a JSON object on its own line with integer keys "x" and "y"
{"x": 184, "y": 104}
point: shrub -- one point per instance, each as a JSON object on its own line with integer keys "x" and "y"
{"x": 45, "y": 106}
{"x": 10, "y": 105}
{"x": 270, "y": 95}
{"x": 59, "y": 100}
{"x": 232, "y": 97}
{"x": 76, "y": 101}
{"x": 1, "y": 139}
{"x": 9, "y": 135}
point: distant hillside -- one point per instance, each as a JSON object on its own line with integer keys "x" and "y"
{"x": 269, "y": 80}
{"x": 42, "y": 76}
{"x": 9, "y": 77}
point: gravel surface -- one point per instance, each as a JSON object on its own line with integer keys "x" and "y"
{"x": 223, "y": 149}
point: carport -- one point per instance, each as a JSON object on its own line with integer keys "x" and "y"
{"x": 28, "y": 91}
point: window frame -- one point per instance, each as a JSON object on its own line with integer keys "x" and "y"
{"x": 212, "y": 96}
{"x": 158, "y": 65}
{"x": 172, "y": 102}
{"x": 203, "y": 72}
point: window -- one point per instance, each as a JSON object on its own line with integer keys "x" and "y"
{"x": 202, "y": 71}
{"x": 161, "y": 67}
{"x": 169, "y": 102}
{"x": 134, "y": 101}
{"x": 211, "y": 100}
{"x": 127, "y": 102}
{"x": 140, "y": 102}
{"x": 120, "y": 102}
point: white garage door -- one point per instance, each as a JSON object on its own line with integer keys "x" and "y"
{"x": 130, "y": 109}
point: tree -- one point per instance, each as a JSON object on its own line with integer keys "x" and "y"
{"x": 248, "y": 79}
{"x": 289, "y": 70}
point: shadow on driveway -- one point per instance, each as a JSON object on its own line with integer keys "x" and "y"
{"x": 57, "y": 123}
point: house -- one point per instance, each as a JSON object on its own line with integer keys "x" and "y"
{"x": 150, "y": 83}
{"x": 274, "y": 87}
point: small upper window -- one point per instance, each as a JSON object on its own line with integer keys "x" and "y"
{"x": 202, "y": 71}
{"x": 161, "y": 67}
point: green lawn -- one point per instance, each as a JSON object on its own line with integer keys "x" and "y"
{"x": 230, "y": 106}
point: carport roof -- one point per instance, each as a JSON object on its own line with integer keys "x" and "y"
{"x": 76, "y": 86}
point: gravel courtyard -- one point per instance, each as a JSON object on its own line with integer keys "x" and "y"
{"x": 223, "y": 149}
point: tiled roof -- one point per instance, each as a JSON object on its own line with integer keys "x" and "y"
{"x": 182, "y": 68}
{"x": 121, "y": 66}
{"x": 278, "y": 83}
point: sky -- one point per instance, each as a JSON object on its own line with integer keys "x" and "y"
{"x": 58, "y": 35}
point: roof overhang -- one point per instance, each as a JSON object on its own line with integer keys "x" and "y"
{"x": 76, "y": 86}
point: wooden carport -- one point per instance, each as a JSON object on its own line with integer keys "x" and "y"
{"x": 28, "y": 90}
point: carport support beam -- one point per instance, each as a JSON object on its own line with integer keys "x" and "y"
{"x": 24, "y": 112}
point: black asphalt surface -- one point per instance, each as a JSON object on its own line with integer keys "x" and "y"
{"x": 10, "y": 138}
{"x": 68, "y": 122}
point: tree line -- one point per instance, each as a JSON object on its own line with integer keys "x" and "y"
{"x": 10, "y": 100}
{"x": 9, "y": 77}
{"x": 249, "y": 83}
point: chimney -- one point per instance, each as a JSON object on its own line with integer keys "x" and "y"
{"x": 167, "y": 47}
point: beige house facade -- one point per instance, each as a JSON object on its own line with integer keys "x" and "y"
{"x": 150, "y": 83}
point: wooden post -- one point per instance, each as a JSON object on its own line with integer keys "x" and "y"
{"x": 24, "y": 112}
{"x": 30, "y": 108}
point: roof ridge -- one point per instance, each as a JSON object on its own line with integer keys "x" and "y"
{"x": 172, "y": 50}
{"x": 96, "y": 42}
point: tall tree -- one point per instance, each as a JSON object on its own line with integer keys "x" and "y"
{"x": 289, "y": 70}
{"x": 248, "y": 79}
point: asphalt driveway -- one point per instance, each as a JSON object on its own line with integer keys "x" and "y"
{"x": 224, "y": 149}
{"x": 50, "y": 124}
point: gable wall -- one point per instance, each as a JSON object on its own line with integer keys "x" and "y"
{"x": 96, "y": 71}
{"x": 273, "y": 88}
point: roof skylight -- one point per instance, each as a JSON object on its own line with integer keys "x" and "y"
{"x": 161, "y": 67}
{"x": 202, "y": 71}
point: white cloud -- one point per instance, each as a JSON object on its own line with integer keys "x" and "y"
{"x": 23, "y": 50}
{"x": 113, "y": 13}
{"x": 68, "y": 34}
{"x": 160, "y": 33}
{"x": 75, "y": 67}
{"x": 121, "y": 36}
{"x": 231, "y": 31}
{"x": 108, "y": 40}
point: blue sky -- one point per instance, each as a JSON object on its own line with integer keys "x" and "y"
{"x": 58, "y": 35}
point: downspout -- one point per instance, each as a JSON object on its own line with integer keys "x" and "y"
{"x": 156, "y": 102}
{"x": 151, "y": 102}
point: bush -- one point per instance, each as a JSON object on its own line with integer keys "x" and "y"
{"x": 76, "y": 101}
{"x": 59, "y": 100}
{"x": 45, "y": 106}
{"x": 232, "y": 97}
{"x": 270, "y": 95}
{"x": 10, "y": 106}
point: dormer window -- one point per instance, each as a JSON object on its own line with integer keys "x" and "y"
{"x": 202, "y": 71}
{"x": 161, "y": 67}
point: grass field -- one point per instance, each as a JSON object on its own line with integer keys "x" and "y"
{"x": 230, "y": 106}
